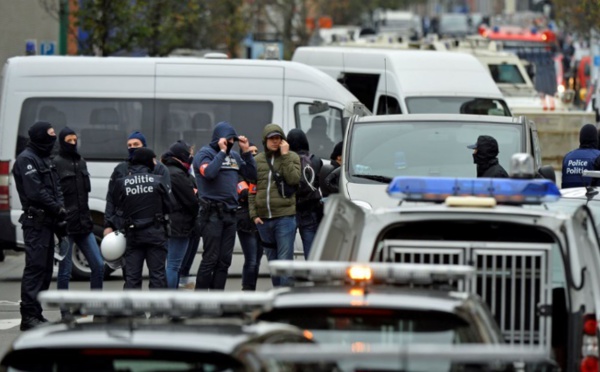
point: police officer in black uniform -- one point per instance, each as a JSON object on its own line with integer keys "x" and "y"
{"x": 38, "y": 185}
{"x": 144, "y": 199}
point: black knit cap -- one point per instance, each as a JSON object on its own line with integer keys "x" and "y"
{"x": 143, "y": 156}
{"x": 588, "y": 136}
{"x": 181, "y": 151}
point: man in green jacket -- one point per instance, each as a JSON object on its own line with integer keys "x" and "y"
{"x": 274, "y": 214}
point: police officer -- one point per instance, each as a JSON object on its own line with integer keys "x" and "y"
{"x": 583, "y": 158}
{"x": 112, "y": 219}
{"x": 485, "y": 155}
{"x": 75, "y": 185}
{"x": 144, "y": 199}
{"x": 38, "y": 185}
{"x": 217, "y": 168}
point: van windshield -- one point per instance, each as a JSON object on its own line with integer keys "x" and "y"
{"x": 457, "y": 105}
{"x": 506, "y": 73}
{"x": 424, "y": 148}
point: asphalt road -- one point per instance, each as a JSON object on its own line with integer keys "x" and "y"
{"x": 11, "y": 271}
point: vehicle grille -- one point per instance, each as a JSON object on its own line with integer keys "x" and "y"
{"x": 514, "y": 279}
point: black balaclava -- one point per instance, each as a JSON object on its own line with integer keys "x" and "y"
{"x": 39, "y": 139}
{"x": 66, "y": 148}
{"x": 297, "y": 140}
{"x": 143, "y": 156}
{"x": 136, "y": 135}
{"x": 181, "y": 150}
{"x": 588, "y": 137}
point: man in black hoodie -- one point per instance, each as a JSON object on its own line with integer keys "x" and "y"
{"x": 145, "y": 201}
{"x": 41, "y": 198}
{"x": 485, "y": 155}
{"x": 329, "y": 177}
{"x": 75, "y": 185}
{"x": 185, "y": 207}
{"x": 309, "y": 207}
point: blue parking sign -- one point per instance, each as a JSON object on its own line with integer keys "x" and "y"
{"x": 596, "y": 60}
{"x": 48, "y": 48}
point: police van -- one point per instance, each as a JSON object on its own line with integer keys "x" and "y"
{"x": 537, "y": 267}
{"x": 104, "y": 99}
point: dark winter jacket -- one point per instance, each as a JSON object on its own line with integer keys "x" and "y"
{"x": 75, "y": 185}
{"x": 268, "y": 203}
{"x": 217, "y": 172}
{"x": 486, "y": 158}
{"x": 111, "y": 214}
{"x": 183, "y": 197}
{"x": 306, "y": 198}
{"x": 37, "y": 182}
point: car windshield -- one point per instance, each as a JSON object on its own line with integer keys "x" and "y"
{"x": 569, "y": 205}
{"x": 347, "y": 326}
{"x": 392, "y": 149}
{"x": 457, "y": 105}
{"x": 506, "y": 74}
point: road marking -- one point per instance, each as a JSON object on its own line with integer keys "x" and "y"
{"x": 11, "y": 303}
{"x": 9, "y": 323}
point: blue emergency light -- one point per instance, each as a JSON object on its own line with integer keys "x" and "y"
{"x": 503, "y": 190}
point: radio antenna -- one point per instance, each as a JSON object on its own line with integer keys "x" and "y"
{"x": 386, "y": 90}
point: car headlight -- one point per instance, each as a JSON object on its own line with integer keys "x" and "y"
{"x": 363, "y": 204}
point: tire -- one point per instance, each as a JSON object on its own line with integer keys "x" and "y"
{"x": 2, "y": 256}
{"x": 81, "y": 269}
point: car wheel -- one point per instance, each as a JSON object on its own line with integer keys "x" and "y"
{"x": 81, "y": 269}
{"x": 2, "y": 255}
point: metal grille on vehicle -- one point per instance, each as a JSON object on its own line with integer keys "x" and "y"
{"x": 514, "y": 279}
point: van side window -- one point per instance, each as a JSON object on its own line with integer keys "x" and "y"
{"x": 535, "y": 145}
{"x": 323, "y": 130}
{"x": 363, "y": 86}
{"x": 393, "y": 107}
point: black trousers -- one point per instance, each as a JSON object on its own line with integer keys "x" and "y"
{"x": 218, "y": 237}
{"x": 138, "y": 251}
{"x": 39, "y": 261}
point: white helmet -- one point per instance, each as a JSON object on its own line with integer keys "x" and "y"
{"x": 113, "y": 246}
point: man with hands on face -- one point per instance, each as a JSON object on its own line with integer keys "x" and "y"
{"x": 273, "y": 214}
{"x": 217, "y": 169}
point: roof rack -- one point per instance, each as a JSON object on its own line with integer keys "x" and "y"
{"x": 467, "y": 353}
{"x": 169, "y": 303}
{"x": 371, "y": 272}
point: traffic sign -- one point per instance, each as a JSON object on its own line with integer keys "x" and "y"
{"x": 48, "y": 48}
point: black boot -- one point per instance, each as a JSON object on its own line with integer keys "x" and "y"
{"x": 29, "y": 322}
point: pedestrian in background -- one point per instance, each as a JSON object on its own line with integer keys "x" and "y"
{"x": 309, "y": 205}
{"x": 485, "y": 155}
{"x": 185, "y": 207}
{"x": 76, "y": 186}
{"x": 136, "y": 140}
{"x": 217, "y": 168}
{"x": 273, "y": 212}
{"x": 144, "y": 199}
{"x": 42, "y": 202}
{"x": 583, "y": 158}
{"x": 329, "y": 177}
{"x": 247, "y": 232}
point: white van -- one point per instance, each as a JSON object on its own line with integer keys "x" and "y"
{"x": 391, "y": 81}
{"x": 105, "y": 99}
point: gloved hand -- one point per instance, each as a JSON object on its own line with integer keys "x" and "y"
{"x": 60, "y": 229}
{"x": 61, "y": 215}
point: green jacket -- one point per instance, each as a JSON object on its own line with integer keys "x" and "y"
{"x": 267, "y": 202}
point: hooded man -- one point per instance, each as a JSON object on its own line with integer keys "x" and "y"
{"x": 580, "y": 159}
{"x": 217, "y": 169}
{"x": 38, "y": 185}
{"x": 309, "y": 207}
{"x": 485, "y": 155}
{"x": 145, "y": 201}
{"x": 136, "y": 140}
{"x": 274, "y": 214}
{"x": 76, "y": 186}
{"x": 185, "y": 207}
{"x": 329, "y": 176}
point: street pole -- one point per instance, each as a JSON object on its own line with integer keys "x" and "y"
{"x": 63, "y": 12}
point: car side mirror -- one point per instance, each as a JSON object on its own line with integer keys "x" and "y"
{"x": 547, "y": 172}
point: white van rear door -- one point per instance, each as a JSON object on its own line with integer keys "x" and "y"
{"x": 339, "y": 232}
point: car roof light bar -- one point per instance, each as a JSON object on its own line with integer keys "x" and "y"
{"x": 503, "y": 190}
{"x": 468, "y": 353}
{"x": 380, "y": 272}
{"x": 171, "y": 303}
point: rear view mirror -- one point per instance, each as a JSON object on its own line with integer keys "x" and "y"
{"x": 547, "y": 172}
{"x": 318, "y": 107}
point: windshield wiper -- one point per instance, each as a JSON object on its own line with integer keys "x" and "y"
{"x": 374, "y": 177}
